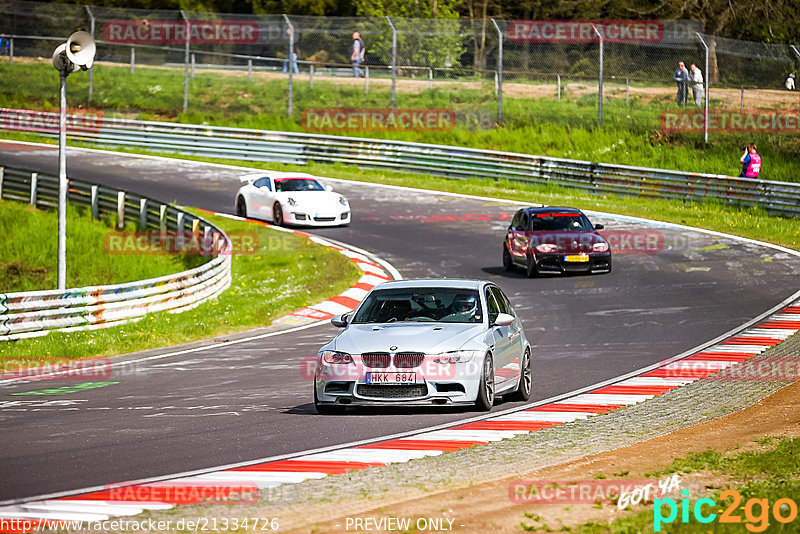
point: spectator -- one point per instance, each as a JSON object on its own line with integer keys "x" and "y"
{"x": 292, "y": 58}
{"x": 697, "y": 84}
{"x": 751, "y": 162}
{"x": 357, "y": 52}
{"x": 790, "y": 82}
{"x": 681, "y": 77}
{"x": 4, "y": 45}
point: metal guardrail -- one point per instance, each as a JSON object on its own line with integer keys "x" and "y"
{"x": 781, "y": 198}
{"x": 36, "y": 313}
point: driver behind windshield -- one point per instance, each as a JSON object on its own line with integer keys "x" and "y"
{"x": 463, "y": 309}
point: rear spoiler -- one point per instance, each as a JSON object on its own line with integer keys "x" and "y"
{"x": 251, "y": 177}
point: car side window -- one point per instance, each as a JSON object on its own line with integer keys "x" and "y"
{"x": 491, "y": 303}
{"x": 517, "y": 220}
{"x": 263, "y": 182}
{"x": 502, "y": 301}
{"x": 525, "y": 223}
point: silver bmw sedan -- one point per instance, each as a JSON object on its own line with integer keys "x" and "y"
{"x": 427, "y": 341}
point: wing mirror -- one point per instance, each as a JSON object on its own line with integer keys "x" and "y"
{"x": 503, "y": 319}
{"x": 340, "y": 321}
{"x": 329, "y": 187}
{"x": 598, "y": 226}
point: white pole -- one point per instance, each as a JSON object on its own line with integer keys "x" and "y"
{"x": 62, "y": 183}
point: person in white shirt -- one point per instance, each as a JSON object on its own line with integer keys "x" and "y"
{"x": 790, "y": 82}
{"x": 696, "y": 77}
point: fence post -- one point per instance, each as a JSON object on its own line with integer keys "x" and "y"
{"x": 599, "y": 81}
{"x": 91, "y": 69}
{"x": 133, "y": 58}
{"x": 627, "y": 90}
{"x": 708, "y": 88}
{"x": 192, "y": 71}
{"x": 394, "y": 62}
{"x": 11, "y": 51}
{"x": 34, "y": 187}
{"x": 142, "y": 214}
{"x": 741, "y": 101}
{"x": 120, "y": 210}
{"x": 499, "y": 73}
{"x": 95, "y": 207}
{"x": 186, "y": 61}
{"x": 559, "y": 88}
{"x": 311, "y": 76}
{"x": 291, "y": 66}
{"x": 249, "y": 70}
{"x": 366, "y": 79}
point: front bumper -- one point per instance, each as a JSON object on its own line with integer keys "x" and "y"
{"x": 596, "y": 262}
{"x": 297, "y": 216}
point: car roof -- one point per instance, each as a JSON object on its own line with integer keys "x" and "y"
{"x": 456, "y": 283}
{"x": 275, "y": 175}
{"x": 553, "y": 209}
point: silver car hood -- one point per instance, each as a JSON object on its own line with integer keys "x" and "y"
{"x": 430, "y": 338}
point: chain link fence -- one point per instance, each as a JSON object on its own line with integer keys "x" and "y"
{"x": 278, "y": 70}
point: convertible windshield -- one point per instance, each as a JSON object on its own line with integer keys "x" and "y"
{"x": 559, "y": 221}
{"x": 297, "y": 184}
{"x": 446, "y": 305}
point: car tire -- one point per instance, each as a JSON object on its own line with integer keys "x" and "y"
{"x": 508, "y": 262}
{"x": 277, "y": 214}
{"x": 530, "y": 267}
{"x": 485, "y": 399}
{"x": 523, "y": 391}
{"x": 241, "y": 207}
{"x": 327, "y": 409}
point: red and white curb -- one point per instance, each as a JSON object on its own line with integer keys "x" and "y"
{"x": 233, "y": 482}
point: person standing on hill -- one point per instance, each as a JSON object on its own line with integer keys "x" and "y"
{"x": 357, "y": 51}
{"x": 697, "y": 84}
{"x": 681, "y": 77}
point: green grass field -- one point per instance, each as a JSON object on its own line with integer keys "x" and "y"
{"x": 29, "y": 252}
{"x": 630, "y": 135}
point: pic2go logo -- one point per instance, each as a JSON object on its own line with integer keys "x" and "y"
{"x": 756, "y": 511}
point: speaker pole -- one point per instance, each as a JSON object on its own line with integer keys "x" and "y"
{"x": 62, "y": 183}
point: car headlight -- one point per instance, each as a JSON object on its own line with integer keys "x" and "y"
{"x": 546, "y": 247}
{"x": 455, "y": 356}
{"x": 343, "y": 201}
{"x": 332, "y": 356}
{"x": 291, "y": 201}
{"x": 602, "y": 246}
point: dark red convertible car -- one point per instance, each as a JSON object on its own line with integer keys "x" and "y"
{"x": 555, "y": 240}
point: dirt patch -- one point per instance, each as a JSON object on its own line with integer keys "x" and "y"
{"x": 487, "y": 507}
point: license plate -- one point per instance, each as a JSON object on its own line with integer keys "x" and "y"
{"x": 391, "y": 378}
{"x": 576, "y": 258}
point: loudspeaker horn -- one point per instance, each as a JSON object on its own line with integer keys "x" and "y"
{"x": 60, "y": 59}
{"x": 81, "y": 49}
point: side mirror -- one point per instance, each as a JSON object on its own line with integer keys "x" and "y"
{"x": 340, "y": 321}
{"x": 598, "y": 226}
{"x": 329, "y": 187}
{"x": 503, "y": 319}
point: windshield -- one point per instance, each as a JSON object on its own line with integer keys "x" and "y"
{"x": 559, "y": 222}
{"x": 446, "y": 305}
{"x": 297, "y": 184}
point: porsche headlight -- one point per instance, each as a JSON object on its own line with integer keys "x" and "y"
{"x": 335, "y": 357}
{"x": 455, "y": 356}
{"x": 291, "y": 201}
{"x": 343, "y": 201}
{"x": 602, "y": 246}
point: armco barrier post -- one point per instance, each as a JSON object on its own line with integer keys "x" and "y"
{"x": 34, "y": 187}
{"x": 394, "y": 61}
{"x": 120, "y": 210}
{"x": 95, "y": 208}
{"x": 2, "y": 171}
{"x": 142, "y": 214}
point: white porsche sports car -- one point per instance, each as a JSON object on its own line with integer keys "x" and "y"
{"x": 291, "y": 198}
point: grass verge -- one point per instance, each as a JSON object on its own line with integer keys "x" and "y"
{"x": 631, "y": 133}
{"x": 286, "y": 272}
{"x": 759, "y": 478}
{"x": 29, "y": 252}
